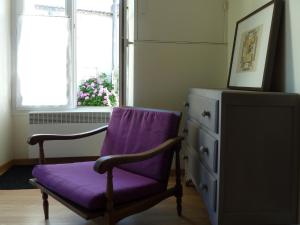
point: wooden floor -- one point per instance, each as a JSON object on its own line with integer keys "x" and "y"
{"x": 24, "y": 207}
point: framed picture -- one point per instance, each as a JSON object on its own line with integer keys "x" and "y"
{"x": 254, "y": 48}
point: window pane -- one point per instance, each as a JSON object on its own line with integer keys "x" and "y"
{"x": 42, "y": 61}
{"x": 42, "y": 7}
{"x": 95, "y": 5}
{"x": 95, "y": 59}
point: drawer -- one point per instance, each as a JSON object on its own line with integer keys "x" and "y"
{"x": 205, "y": 110}
{"x": 192, "y": 134}
{"x": 208, "y": 149}
{"x": 208, "y": 189}
{"x": 194, "y": 166}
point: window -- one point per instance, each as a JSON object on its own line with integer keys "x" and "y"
{"x": 66, "y": 53}
{"x": 94, "y": 46}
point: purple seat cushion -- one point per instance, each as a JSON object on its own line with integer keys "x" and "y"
{"x": 134, "y": 130}
{"x": 79, "y": 183}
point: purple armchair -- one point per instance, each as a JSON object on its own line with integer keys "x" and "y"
{"x": 130, "y": 176}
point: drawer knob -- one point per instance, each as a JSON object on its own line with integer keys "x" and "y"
{"x": 205, "y": 113}
{"x": 203, "y": 187}
{"x": 203, "y": 149}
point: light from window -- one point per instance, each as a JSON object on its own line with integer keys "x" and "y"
{"x": 42, "y": 60}
{"x": 61, "y": 65}
{"x": 95, "y": 48}
{"x": 42, "y": 7}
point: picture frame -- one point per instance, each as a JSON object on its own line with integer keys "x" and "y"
{"x": 254, "y": 48}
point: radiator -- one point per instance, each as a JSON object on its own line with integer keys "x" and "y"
{"x": 67, "y": 123}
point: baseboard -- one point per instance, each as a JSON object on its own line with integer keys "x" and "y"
{"x": 4, "y": 167}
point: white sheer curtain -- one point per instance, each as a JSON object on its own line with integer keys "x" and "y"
{"x": 43, "y": 54}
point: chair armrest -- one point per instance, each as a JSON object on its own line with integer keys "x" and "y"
{"x": 38, "y": 138}
{"x": 106, "y": 163}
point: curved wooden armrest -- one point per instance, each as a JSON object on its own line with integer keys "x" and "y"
{"x": 106, "y": 163}
{"x": 39, "y": 138}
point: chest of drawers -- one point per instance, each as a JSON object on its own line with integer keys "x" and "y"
{"x": 242, "y": 152}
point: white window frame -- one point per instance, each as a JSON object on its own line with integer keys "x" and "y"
{"x": 72, "y": 86}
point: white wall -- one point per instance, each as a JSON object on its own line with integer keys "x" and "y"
{"x": 5, "y": 112}
{"x": 179, "y": 45}
{"x": 287, "y": 75}
{"x": 165, "y": 72}
{"x": 20, "y": 131}
{"x": 178, "y": 20}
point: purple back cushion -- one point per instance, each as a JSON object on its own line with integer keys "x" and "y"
{"x": 134, "y": 130}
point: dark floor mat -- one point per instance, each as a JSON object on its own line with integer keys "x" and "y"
{"x": 16, "y": 178}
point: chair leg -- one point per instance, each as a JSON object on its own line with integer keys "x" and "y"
{"x": 178, "y": 184}
{"x": 179, "y": 200}
{"x": 45, "y": 205}
{"x": 108, "y": 219}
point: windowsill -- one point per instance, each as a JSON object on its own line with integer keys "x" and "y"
{"x": 78, "y": 109}
{"x": 85, "y": 109}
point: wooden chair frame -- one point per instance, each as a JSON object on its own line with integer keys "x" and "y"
{"x": 105, "y": 164}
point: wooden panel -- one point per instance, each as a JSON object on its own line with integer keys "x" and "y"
{"x": 208, "y": 149}
{"x": 255, "y": 147}
{"x": 205, "y": 110}
{"x": 259, "y": 171}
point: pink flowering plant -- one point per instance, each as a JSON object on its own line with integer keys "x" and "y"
{"x": 93, "y": 92}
